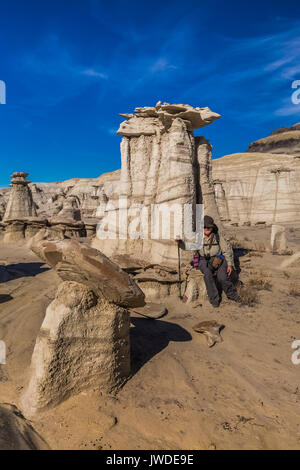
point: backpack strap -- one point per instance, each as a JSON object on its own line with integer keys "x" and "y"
{"x": 211, "y": 240}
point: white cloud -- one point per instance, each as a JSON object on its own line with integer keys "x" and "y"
{"x": 54, "y": 73}
{"x": 288, "y": 110}
{"x": 161, "y": 65}
{"x": 93, "y": 73}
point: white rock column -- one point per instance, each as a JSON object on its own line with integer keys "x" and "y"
{"x": 278, "y": 238}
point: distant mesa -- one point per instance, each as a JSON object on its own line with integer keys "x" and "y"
{"x": 283, "y": 140}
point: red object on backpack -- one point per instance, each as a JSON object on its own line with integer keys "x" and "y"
{"x": 196, "y": 260}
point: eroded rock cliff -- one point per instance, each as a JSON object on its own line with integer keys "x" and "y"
{"x": 50, "y": 198}
{"x": 262, "y": 184}
{"x": 162, "y": 164}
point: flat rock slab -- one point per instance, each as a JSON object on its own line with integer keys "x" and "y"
{"x": 78, "y": 262}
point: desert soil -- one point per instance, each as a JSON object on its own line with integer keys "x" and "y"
{"x": 243, "y": 393}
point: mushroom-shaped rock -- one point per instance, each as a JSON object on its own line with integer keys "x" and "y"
{"x": 74, "y": 261}
{"x": 20, "y": 204}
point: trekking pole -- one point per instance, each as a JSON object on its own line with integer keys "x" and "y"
{"x": 179, "y": 272}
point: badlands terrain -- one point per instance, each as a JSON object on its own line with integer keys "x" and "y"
{"x": 242, "y": 393}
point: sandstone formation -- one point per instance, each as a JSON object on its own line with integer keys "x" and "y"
{"x": 233, "y": 184}
{"x": 49, "y": 198}
{"x": 162, "y": 166}
{"x": 84, "y": 338}
{"x": 160, "y": 281}
{"x": 20, "y": 204}
{"x": 162, "y": 163}
{"x": 84, "y": 194}
{"x": 68, "y": 209}
{"x": 20, "y": 211}
{"x": 4, "y": 197}
{"x": 278, "y": 239}
{"x": 78, "y": 262}
{"x": 255, "y": 187}
{"x": 59, "y": 210}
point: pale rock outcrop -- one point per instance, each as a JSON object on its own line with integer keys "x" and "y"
{"x": 20, "y": 204}
{"x": 262, "y": 184}
{"x": 4, "y": 197}
{"x": 194, "y": 288}
{"x": 87, "y": 194}
{"x": 70, "y": 211}
{"x": 35, "y": 243}
{"x": 67, "y": 223}
{"x": 49, "y": 198}
{"x": 257, "y": 187}
{"x": 83, "y": 343}
{"x": 78, "y": 262}
{"x": 159, "y": 281}
{"x": 161, "y": 163}
{"x": 20, "y": 209}
{"x": 278, "y": 239}
{"x": 14, "y": 231}
{"x": 84, "y": 338}
{"x": 34, "y": 225}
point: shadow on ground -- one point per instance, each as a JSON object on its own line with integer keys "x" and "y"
{"x": 149, "y": 337}
{"x": 15, "y": 271}
{"x": 17, "y": 433}
{"x": 5, "y": 298}
{"x": 238, "y": 253}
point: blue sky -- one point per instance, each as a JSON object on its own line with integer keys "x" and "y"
{"x": 71, "y": 66}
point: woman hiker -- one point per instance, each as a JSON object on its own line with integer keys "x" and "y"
{"x": 215, "y": 260}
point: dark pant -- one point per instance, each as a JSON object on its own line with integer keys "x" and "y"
{"x": 211, "y": 276}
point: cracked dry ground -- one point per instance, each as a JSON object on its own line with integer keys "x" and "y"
{"x": 242, "y": 393}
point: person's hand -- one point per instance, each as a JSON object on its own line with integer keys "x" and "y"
{"x": 229, "y": 270}
{"x": 179, "y": 242}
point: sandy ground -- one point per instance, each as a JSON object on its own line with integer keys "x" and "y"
{"x": 243, "y": 393}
